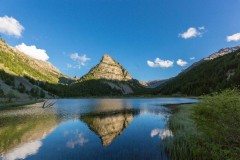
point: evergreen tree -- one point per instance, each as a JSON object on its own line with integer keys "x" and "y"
{"x": 21, "y": 88}
{"x": 42, "y": 94}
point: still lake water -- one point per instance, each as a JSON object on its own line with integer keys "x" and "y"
{"x": 87, "y": 129}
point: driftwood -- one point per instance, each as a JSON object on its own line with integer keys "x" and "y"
{"x": 48, "y": 103}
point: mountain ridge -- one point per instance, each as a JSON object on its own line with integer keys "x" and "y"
{"x": 15, "y": 61}
{"x": 21, "y": 74}
{"x": 218, "y": 71}
{"x": 214, "y": 55}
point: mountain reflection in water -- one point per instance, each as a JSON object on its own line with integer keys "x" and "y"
{"x": 87, "y": 129}
{"x": 108, "y": 125}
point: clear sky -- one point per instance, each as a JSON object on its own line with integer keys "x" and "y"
{"x": 152, "y": 39}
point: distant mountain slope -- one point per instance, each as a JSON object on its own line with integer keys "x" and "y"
{"x": 107, "y": 78}
{"x": 219, "y": 71}
{"x": 16, "y": 62}
{"x": 155, "y": 83}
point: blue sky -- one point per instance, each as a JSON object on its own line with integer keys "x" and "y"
{"x": 134, "y": 32}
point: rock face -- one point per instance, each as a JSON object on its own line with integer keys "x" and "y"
{"x": 108, "y": 69}
{"x": 125, "y": 88}
{"x": 108, "y": 127}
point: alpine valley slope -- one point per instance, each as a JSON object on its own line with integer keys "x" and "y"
{"x": 217, "y": 72}
{"x": 14, "y": 61}
{"x": 20, "y": 75}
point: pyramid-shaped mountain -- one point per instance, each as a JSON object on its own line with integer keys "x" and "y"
{"x": 108, "y": 69}
{"x": 107, "y": 78}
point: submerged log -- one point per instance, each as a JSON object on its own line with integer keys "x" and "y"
{"x": 48, "y": 103}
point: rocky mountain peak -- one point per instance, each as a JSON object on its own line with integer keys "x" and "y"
{"x": 222, "y": 52}
{"x": 106, "y": 56}
{"x": 108, "y": 69}
{"x": 107, "y": 59}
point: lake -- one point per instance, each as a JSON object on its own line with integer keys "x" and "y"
{"x": 87, "y": 129}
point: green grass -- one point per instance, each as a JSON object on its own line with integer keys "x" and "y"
{"x": 207, "y": 130}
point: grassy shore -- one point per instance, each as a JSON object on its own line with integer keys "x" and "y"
{"x": 207, "y": 130}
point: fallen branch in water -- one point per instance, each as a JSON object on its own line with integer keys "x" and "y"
{"x": 47, "y": 105}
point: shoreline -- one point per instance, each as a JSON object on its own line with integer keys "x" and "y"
{"x": 127, "y": 97}
{"x": 18, "y": 104}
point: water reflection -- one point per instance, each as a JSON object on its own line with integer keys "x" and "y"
{"x": 161, "y": 133}
{"x": 108, "y": 125}
{"x": 76, "y": 139}
{"x": 87, "y": 129}
{"x": 24, "y": 150}
{"x": 21, "y": 136}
